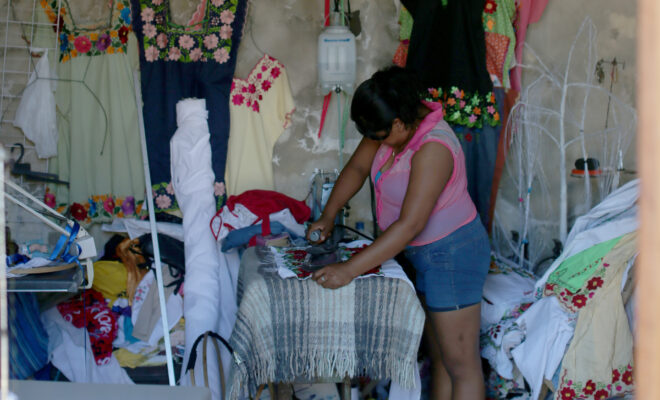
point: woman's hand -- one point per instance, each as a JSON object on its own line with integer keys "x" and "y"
{"x": 325, "y": 225}
{"x": 334, "y": 276}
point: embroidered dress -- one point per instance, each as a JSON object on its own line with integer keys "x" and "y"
{"x": 260, "y": 109}
{"x": 599, "y": 361}
{"x": 177, "y": 62}
{"x": 99, "y": 143}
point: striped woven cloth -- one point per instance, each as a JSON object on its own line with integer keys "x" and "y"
{"x": 288, "y": 328}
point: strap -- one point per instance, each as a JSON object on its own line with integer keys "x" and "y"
{"x": 65, "y": 240}
{"x": 193, "y": 352}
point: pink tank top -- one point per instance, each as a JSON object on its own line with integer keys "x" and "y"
{"x": 454, "y": 207}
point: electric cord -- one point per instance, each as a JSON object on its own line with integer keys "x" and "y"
{"x": 354, "y": 231}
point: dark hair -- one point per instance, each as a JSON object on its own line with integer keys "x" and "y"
{"x": 390, "y": 93}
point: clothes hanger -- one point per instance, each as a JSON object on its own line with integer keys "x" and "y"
{"x": 25, "y": 169}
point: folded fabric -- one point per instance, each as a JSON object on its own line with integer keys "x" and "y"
{"x": 242, "y": 236}
{"x": 265, "y": 202}
{"x": 228, "y": 220}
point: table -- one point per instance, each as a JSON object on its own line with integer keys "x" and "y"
{"x": 288, "y": 329}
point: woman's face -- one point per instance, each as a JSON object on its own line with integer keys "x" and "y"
{"x": 397, "y": 136}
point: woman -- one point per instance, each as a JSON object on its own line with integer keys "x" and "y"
{"x": 423, "y": 208}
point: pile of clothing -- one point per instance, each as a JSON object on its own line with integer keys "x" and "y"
{"x": 568, "y": 333}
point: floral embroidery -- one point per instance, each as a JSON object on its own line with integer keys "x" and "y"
{"x": 296, "y": 259}
{"x": 250, "y": 91}
{"x": 213, "y": 42}
{"x": 622, "y": 383}
{"x": 575, "y": 301}
{"x": 98, "y": 208}
{"x": 490, "y": 7}
{"x": 468, "y": 110}
{"x": 73, "y": 42}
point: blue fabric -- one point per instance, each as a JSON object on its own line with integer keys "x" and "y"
{"x": 128, "y": 330}
{"x": 480, "y": 150}
{"x": 377, "y": 177}
{"x": 451, "y": 272}
{"x": 240, "y": 237}
{"x": 165, "y": 83}
{"x": 28, "y": 340}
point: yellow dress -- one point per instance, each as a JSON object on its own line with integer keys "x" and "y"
{"x": 260, "y": 108}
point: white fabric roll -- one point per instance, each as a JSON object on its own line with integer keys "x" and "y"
{"x": 210, "y": 296}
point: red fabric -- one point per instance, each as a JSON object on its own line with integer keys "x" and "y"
{"x": 91, "y": 312}
{"x": 262, "y": 203}
{"x": 497, "y": 45}
{"x": 401, "y": 53}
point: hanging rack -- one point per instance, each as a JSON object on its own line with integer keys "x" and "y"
{"x": 84, "y": 241}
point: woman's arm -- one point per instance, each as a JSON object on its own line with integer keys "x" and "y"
{"x": 431, "y": 169}
{"x": 349, "y": 182}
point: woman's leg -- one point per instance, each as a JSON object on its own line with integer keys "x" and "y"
{"x": 440, "y": 382}
{"x": 457, "y": 333}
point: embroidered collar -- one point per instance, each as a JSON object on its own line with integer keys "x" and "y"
{"x": 74, "y": 40}
{"x": 210, "y": 38}
{"x": 249, "y": 92}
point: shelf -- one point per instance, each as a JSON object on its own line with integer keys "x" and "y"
{"x": 69, "y": 281}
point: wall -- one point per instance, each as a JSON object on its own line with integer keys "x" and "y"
{"x": 288, "y": 30}
{"x": 551, "y": 40}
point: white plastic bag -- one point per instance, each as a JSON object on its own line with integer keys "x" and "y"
{"x": 36, "y": 112}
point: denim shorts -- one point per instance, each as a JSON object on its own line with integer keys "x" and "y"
{"x": 451, "y": 271}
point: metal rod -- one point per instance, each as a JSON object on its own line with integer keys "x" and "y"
{"x": 4, "y": 326}
{"x": 36, "y": 214}
{"x": 154, "y": 233}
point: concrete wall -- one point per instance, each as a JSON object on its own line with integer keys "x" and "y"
{"x": 288, "y": 30}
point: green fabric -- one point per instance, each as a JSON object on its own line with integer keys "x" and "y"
{"x": 406, "y": 22}
{"x": 99, "y": 150}
{"x": 574, "y": 272}
{"x": 501, "y": 21}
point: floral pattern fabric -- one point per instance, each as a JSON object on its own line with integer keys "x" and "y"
{"x": 497, "y": 17}
{"x": 74, "y": 40}
{"x": 595, "y": 273}
{"x": 465, "y": 109}
{"x": 250, "y": 92}
{"x": 179, "y": 62}
{"x": 297, "y": 260}
{"x": 164, "y": 40}
{"x": 98, "y": 208}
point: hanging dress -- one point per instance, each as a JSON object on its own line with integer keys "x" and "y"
{"x": 260, "y": 109}
{"x": 178, "y": 62}
{"x": 99, "y": 142}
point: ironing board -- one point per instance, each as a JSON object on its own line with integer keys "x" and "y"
{"x": 289, "y": 329}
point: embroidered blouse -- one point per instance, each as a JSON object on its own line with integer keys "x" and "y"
{"x": 94, "y": 39}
